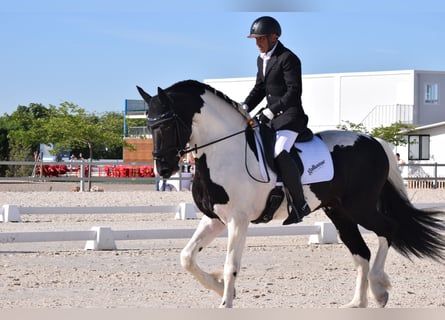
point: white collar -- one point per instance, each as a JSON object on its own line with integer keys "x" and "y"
{"x": 267, "y": 55}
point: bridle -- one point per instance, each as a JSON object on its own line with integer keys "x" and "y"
{"x": 166, "y": 118}
{"x": 170, "y": 115}
{"x": 180, "y": 127}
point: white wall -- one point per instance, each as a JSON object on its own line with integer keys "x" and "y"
{"x": 321, "y": 101}
{"x": 361, "y": 92}
{"x": 329, "y": 99}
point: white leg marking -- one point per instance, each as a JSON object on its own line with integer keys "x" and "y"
{"x": 208, "y": 229}
{"x": 236, "y": 241}
{"x": 378, "y": 279}
{"x": 360, "y": 299}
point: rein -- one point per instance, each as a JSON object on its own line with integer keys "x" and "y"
{"x": 252, "y": 125}
{"x": 196, "y": 148}
{"x": 237, "y": 107}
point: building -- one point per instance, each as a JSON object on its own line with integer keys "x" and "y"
{"x": 138, "y": 136}
{"x": 371, "y": 98}
{"x": 425, "y": 146}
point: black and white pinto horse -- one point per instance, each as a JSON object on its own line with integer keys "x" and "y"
{"x": 366, "y": 189}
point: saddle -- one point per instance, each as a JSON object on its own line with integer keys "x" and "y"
{"x": 309, "y": 153}
{"x": 265, "y": 152}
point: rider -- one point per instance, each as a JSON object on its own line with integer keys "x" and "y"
{"x": 279, "y": 80}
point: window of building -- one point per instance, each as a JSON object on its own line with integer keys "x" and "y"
{"x": 419, "y": 147}
{"x": 432, "y": 93}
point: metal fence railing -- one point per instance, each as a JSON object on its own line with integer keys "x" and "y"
{"x": 423, "y": 175}
{"x": 415, "y": 175}
{"x": 85, "y": 172}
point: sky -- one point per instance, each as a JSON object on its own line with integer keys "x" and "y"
{"x": 93, "y": 53}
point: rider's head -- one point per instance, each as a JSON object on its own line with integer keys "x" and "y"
{"x": 266, "y": 31}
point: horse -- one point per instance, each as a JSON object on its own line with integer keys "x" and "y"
{"x": 366, "y": 188}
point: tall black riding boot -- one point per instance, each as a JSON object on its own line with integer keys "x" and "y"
{"x": 290, "y": 174}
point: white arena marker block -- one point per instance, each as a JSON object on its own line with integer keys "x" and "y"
{"x": 327, "y": 234}
{"x": 10, "y": 213}
{"x": 104, "y": 240}
{"x": 186, "y": 211}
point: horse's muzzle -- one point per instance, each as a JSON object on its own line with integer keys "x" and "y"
{"x": 166, "y": 170}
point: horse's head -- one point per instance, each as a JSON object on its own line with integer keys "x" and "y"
{"x": 173, "y": 114}
{"x": 169, "y": 130}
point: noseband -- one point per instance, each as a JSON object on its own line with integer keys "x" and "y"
{"x": 166, "y": 118}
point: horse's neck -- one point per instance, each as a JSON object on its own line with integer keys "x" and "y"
{"x": 217, "y": 119}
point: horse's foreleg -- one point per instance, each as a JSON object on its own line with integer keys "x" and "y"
{"x": 208, "y": 229}
{"x": 378, "y": 280}
{"x": 235, "y": 246}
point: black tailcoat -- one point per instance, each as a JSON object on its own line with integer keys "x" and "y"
{"x": 282, "y": 87}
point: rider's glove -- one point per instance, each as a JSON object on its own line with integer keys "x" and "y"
{"x": 265, "y": 116}
{"x": 262, "y": 118}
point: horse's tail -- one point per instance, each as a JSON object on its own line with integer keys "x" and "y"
{"x": 394, "y": 175}
{"x": 419, "y": 232}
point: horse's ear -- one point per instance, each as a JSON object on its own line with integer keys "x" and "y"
{"x": 163, "y": 97}
{"x": 144, "y": 94}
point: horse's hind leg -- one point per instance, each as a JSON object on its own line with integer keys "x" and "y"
{"x": 377, "y": 222}
{"x": 207, "y": 230}
{"x": 351, "y": 237}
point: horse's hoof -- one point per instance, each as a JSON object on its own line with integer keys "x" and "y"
{"x": 225, "y": 305}
{"x": 383, "y": 299}
{"x": 355, "y": 304}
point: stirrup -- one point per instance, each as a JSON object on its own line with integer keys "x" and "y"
{"x": 295, "y": 215}
{"x": 273, "y": 202}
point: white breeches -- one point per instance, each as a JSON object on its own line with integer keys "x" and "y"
{"x": 284, "y": 140}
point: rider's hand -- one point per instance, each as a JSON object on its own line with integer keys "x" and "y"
{"x": 265, "y": 116}
{"x": 262, "y": 118}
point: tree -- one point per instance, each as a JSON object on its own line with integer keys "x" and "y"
{"x": 71, "y": 127}
{"x": 21, "y": 127}
{"x": 4, "y": 148}
{"x": 66, "y": 127}
{"x": 21, "y": 138}
{"x": 112, "y": 125}
{"x": 351, "y": 126}
{"x": 391, "y": 134}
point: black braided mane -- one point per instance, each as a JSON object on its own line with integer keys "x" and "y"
{"x": 188, "y": 85}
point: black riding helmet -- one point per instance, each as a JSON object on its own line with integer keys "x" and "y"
{"x": 264, "y": 25}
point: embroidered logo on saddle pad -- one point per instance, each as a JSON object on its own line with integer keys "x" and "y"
{"x": 317, "y": 161}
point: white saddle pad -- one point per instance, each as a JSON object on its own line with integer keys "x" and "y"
{"x": 316, "y": 160}
{"x": 315, "y": 156}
